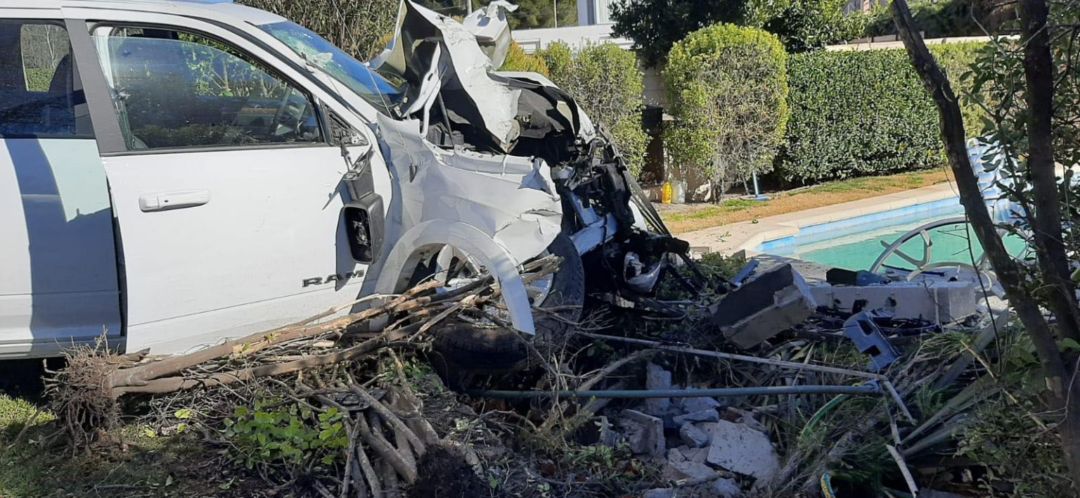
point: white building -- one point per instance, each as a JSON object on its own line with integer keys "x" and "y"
{"x": 590, "y": 12}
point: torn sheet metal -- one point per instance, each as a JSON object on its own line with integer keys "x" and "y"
{"x": 508, "y": 201}
{"x": 492, "y": 30}
{"x": 469, "y": 92}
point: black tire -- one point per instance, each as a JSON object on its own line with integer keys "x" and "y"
{"x": 567, "y": 293}
{"x": 474, "y": 349}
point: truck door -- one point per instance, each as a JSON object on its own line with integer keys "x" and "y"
{"x": 228, "y": 192}
{"x": 58, "y": 272}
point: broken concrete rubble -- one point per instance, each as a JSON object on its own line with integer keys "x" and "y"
{"x": 675, "y": 471}
{"x": 866, "y": 335}
{"x": 726, "y": 488}
{"x": 935, "y": 300}
{"x": 693, "y": 436}
{"x": 692, "y": 405}
{"x": 656, "y": 377}
{"x": 764, "y": 306}
{"x": 708, "y": 415}
{"x": 742, "y": 450}
{"x": 644, "y": 433}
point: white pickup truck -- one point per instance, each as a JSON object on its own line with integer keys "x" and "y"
{"x": 173, "y": 173}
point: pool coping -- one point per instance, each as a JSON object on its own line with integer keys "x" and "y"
{"x": 750, "y": 236}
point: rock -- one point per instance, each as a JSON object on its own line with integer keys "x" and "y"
{"x": 745, "y": 417}
{"x": 693, "y": 436}
{"x": 608, "y": 436}
{"x": 741, "y": 449}
{"x": 767, "y": 304}
{"x": 707, "y": 415}
{"x": 644, "y": 433}
{"x": 656, "y": 377}
{"x": 659, "y": 493}
{"x": 675, "y": 455}
{"x": 691, "y": 405}
{"x": 726, "y": 488}
{"x": 687, "y": 470}
{"x": 697, "y": 455}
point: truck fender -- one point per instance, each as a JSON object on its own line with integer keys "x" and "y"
{"x": 487, "y": 251}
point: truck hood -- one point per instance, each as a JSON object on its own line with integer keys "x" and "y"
{"x": 470, "y": 51}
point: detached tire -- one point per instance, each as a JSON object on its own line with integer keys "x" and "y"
{"x": 465, "y": 348}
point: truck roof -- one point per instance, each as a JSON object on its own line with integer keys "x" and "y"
{"x": 210, "y": 9}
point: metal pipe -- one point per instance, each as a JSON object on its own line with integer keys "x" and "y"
{"x": 866, "y": 389}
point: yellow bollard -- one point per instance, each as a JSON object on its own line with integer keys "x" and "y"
{"x": 666, "y": 193}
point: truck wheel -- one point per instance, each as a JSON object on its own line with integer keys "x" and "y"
{"x": 464, "y": 348}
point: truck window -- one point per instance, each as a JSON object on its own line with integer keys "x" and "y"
{"x": 40, "y": 96}
{"x": 174, "y": 89}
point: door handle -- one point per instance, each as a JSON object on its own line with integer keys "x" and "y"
{"x": 164, "y": 201}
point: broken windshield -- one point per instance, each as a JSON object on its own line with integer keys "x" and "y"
{"x": 373, "y": 87}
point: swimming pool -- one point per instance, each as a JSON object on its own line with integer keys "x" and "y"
{"x": 855, "y": 243}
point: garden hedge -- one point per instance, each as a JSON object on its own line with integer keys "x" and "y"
{"x": 728, "y": 88}
{"x": 865, "y": 112}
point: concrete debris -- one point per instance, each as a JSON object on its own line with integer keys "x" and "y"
{"x": 708, "y": 415}
{"x": 656, "y": 377}
{"x": 692, "y": 405}
{"x": 693, "y": 436}
{"x": 938, "y": 301}
{"x": 608, "y": 436}
{"x": 866, "y": 335}
{"x": 767, "y": 304}
{"x": 687, "y": 470}
{"x": 726, "y": 488}
{"x": 742, "y": 450}
{"x": 744, "y": 417}
{"x": 697, "y": 455}
{"x": 644, "y": 433}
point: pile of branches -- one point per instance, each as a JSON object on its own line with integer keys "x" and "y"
{"x": 322, "y": 364}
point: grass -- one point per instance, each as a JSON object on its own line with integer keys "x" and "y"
{"x": 140, "y": 464}
{"x": 687, "y": 218}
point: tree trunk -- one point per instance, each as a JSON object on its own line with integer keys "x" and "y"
{"x": 1055, "y": 370}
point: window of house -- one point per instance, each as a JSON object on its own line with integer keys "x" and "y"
{"x": 175, "y": 89}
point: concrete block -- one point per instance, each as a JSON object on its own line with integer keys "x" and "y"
{"x": 742, "y": 450}
{"x": 764, "y": 306}
{"x": 644, "y": 433}
{"x": 691, "y": 405}
{"x": 687, "y": 470}
{"x": 726, "y": 488}
{"x": 709, "y": 415}
{"x": 656, "y": 377}
{"x": 936, "y": 301}
{"x": 693, "y": 436}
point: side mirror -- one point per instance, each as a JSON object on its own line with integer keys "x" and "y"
{"x": 430, "y": 85}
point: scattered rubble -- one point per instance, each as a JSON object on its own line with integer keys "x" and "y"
{"x": 644, "y": 433}
{"x": 765, "y": 305}
{"x": 725, "y": 433}
{"x": 743, "y": 450}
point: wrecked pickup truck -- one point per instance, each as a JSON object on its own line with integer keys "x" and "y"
{"x": 177, "y": 172}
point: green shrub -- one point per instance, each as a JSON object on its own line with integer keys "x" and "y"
{"x": 518, "y": 60}
{"x": 728, "y": 90}
{"x": 360, "y": 27}
{"x": 273, "y": 433}
{"x": 607, "y": 83}
{"x": 865, "y": 112}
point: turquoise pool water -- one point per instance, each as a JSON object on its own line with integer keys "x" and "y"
{"x": 857, "y": 251}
